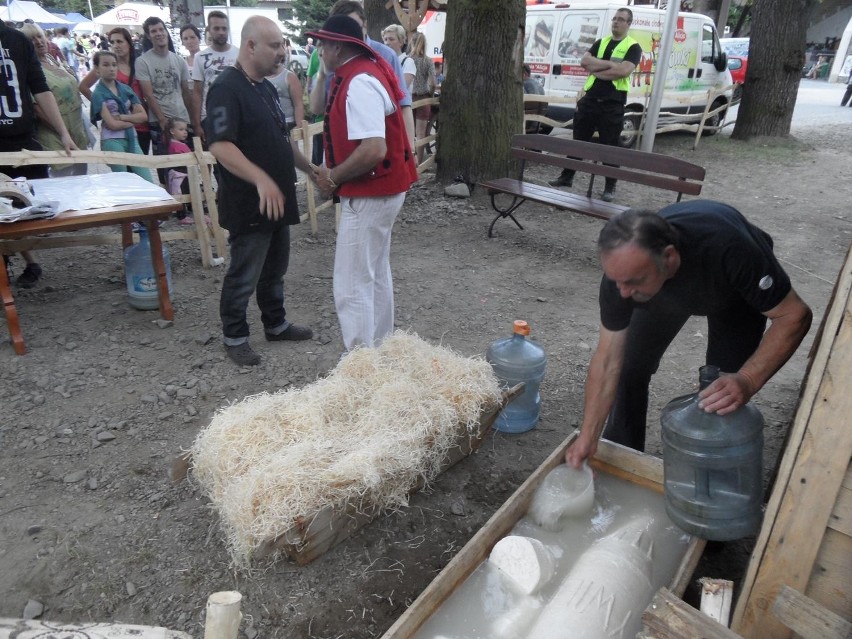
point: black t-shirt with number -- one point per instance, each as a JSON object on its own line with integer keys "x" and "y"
{"x": 21, "y": 77}
{"x": 248, "y": 115}
{"x": 605, "y": 89}
{"x": 727, "y": 265}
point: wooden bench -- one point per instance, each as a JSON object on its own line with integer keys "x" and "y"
{"x": 650, "y": 169}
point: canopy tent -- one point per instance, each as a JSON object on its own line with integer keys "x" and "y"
{"x": 85, "y": 27}
{"x": 76, "y": 18}
{"x": 20, "y": 10}
{"x": 131, "y": 14}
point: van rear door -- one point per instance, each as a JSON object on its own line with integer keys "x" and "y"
{"x": 576, "y": 31}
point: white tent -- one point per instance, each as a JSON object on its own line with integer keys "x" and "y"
{"x": 85, "y": 27}
{"x": 20, "y": 10}
{"x": 131, "y": 14}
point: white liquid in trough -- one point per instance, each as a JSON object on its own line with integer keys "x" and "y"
{"x": 606, "y": 566}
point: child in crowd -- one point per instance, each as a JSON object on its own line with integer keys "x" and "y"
{"x": 118, "y": 107}
{"x": 174, "y": 139}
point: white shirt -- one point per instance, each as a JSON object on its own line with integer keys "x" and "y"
{"x": 206, "y": 67}
{"x": 367, "y": 106}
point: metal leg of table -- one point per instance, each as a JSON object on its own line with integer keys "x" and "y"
{"x": 163, "y": 293}
{"x": 11, "y": 312}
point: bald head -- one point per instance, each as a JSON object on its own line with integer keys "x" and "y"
{"x": 262, "y": 47}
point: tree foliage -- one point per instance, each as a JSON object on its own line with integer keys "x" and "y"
{"x": 78, "y": 6}
{"x": 776, "y": 56}
{"x": 482, "y": 94}
{"x": 309, "y": 14}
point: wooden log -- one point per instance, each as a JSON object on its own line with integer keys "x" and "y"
{"x": 667, "y": 617}
{"x": 36, "y": 628}
{"x": 807, "y": 618}
{"x": 223, "y": 615}
{"x": 716, "y": 598}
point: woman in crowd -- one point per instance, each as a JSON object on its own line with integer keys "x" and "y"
{"x": 63, "y": 86}
{"x": 190, "y": 37}
{"x": 423, "y": 86}
{"x": 394, "y": 37}
{"x": 121, "y": 43}
{"x": 289, "y": 90}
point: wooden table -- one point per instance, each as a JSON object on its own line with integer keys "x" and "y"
{"x": 149, "y": 213}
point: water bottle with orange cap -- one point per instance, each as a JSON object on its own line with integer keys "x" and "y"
{"x": 518, "y": 359}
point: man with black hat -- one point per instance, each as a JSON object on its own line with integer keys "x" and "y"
{"x": 370, "y": 167}
{"x": 248, "y": 134}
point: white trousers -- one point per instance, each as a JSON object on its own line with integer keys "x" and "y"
{"x": 363, "y": 286}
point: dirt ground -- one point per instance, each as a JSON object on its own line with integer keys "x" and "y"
{"x": 90, "y": 525}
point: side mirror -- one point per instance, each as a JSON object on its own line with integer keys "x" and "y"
{"x": 721, "y": 63}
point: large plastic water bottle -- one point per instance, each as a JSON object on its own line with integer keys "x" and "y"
{"x": 139, "y": 273}
{"x": 712, "y": 466}
{"x": 517, "y": 359}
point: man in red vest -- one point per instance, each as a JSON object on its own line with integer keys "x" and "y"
{"x": 369, "y": 166}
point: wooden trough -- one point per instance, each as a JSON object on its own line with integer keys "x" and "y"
{"x": 615, "y": 460}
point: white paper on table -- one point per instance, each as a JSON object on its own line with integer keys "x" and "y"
{"x": 81, "y": 192}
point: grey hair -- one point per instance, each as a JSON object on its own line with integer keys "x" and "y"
{"x": 645, "y": 228}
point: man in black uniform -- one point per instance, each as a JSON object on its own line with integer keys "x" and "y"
{"x": 609, "y": 61}
{"x": 692, "y": 258}
{"x": 22, "y": 81}
{"x": 247, "y": 132}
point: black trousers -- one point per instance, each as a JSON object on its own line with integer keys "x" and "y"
{"x": 606, "y": 117}
{"x": 733, "y": 336}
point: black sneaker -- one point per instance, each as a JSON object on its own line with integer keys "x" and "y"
{"x": 30, "y": 276}
{"x": 608, "y": 195}
{"x": 564, "y": 179}
{"x": 292, "y": 333}
{"x": 243, "y": 354}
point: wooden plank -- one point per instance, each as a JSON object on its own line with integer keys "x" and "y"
{"x": 667, "y": 617}
{"x": 555, "y": 197}
{"x": 33, "y": 628}
{"x": 812, "y": 470}
{"x": 831, "y": 578}
{"x": 646, "y": 174}
{"x": 841, "y": 514}
{"x": 502, "y": 522}
{"x": 591, "y": 151}
{"x": 807, "y": 618}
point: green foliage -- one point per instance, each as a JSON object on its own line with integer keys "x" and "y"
{"x": 310, "y": 15}
{"x": 78, "y": 6}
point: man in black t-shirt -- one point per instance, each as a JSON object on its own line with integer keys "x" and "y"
{"x": 609, "y": 61}
{"x": 22, "y": 81}
{"x": 692, "y": 258}
{"x": 247, "y": 133}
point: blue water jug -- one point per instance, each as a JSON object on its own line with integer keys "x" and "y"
{"x": 712, "y": 466}
{"x": 517, "y": 359}
{"x": 139, "y": 273}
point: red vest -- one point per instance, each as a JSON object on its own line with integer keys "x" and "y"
{"x": 397, "y": 171}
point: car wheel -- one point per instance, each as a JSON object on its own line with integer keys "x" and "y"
{"x": 714, "y": 120}
{"x": 630, "y": 131}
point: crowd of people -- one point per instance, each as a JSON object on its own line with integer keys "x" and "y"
{"x": 692, "y": 258}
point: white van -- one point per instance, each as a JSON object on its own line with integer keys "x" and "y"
{"x": 557, "y": 37}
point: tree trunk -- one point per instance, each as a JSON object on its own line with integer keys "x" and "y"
{"x": 776, "y": 56}
{"x": 482, "y": 95}
{"x": 378, "y": 17}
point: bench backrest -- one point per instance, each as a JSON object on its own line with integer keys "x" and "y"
{"x": 639, "y": 167}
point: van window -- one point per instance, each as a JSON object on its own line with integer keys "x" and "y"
{"x": 709, "y": 44}
{"x": 579, "y": 31}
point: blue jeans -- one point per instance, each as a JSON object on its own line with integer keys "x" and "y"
{"x": 258, "y": 265}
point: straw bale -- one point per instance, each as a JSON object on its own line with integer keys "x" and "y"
{"x": 383, "y": 420}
